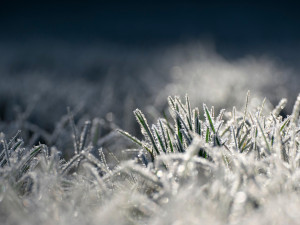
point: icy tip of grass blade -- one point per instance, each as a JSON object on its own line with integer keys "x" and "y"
{"x": 74, "y": 131}
{"x": 296, "y": 110}
{"x": 246, "y": 106}
{"x": 84, "y": 134}
{"x": 279, "y": 107}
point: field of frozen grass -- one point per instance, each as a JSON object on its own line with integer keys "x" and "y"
{"x": 172, "y": 161}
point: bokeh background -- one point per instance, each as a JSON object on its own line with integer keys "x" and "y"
{"x": 105, "y": 58}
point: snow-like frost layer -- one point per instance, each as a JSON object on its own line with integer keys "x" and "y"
{"x": 231, "y": 184}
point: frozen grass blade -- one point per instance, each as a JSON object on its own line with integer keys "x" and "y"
{"x": 279, "y": 107}
{"x": 296, "y": 110}
{"x": 25, "y": 163}
{"x": 207, "y": 137}
{"x": 246, "y": 106}
{"x": 84, "y": 134}
{"x": 5, "y": 147}
{"x": 187, "y": 137}
{"x": 189, "y": 114}
{"x": 71, "y": 163}
{"x": 74, "y": 131}
{"x": 264, "y": 136}
{"x": 102, "y": 157}
{"x": 287, "y": 120}
{"x": 144, "y": 126}
{"x": 170, "y": 142}
{"x": 159, "y": 140}
{"x": 243, "y": 139}
{"x": 178, "y": 126}
{"x": 17, "y": 145}
{"x": 197, "y": 125}
{"x": 179, "y": 145}
{"x": 137, "y": 141}
{"x": 211, "y": 124}
{"x": 183, "y": 126}
{"x": 234, "y": 138}
{"x": 10, "y": 143}
{"x": 208, "y": 118}
{"x": 163, "y": 133}
{"x": 168, "y": 124}
{"x": 95, "y": 131}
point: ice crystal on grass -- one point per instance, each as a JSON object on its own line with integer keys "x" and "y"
{"x": 194, "y": 167}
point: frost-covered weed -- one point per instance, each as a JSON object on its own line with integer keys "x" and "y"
{"x": 197, "y": 167}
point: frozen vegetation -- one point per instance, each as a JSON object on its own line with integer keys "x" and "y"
{"x": 192, "y": 166}
{"x": 167, "y": 162}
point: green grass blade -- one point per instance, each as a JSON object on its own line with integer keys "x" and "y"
{"x": 144, "y": 126}
{"x": 135, "y": 140}
{"x": 207, "y": 135}
{"x": 234, "y": 137}
{"x": 159, "y": 140}
{"x": 264, "y": 136}
{"x": 208, "y": 117}
{"x": 285, "y": 123}
{"x": 163, "y": 133}
{"x": 189, "y": 111}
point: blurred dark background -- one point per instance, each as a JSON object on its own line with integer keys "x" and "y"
{"x": 235, "y": 26}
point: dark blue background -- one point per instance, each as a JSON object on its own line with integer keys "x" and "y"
{"x": 144, "y": 23}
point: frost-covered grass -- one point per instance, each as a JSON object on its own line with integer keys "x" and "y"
{"x": 194, "y": 166}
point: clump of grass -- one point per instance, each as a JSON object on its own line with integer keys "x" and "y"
{"x": 246, "y": 132}
{"x": 239, "y": 167}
